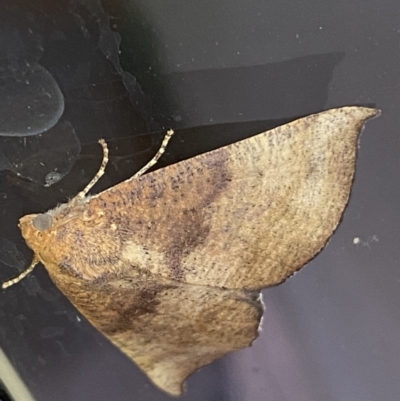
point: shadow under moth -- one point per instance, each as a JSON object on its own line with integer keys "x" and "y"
{"x": 169, "y": 265}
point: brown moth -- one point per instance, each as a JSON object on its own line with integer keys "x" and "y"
{"x": 169, "y": 265}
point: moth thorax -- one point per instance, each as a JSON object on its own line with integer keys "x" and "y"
{"x": 42, "y": 222}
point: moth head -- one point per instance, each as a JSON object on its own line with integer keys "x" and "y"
{"x": 36, "y": 229}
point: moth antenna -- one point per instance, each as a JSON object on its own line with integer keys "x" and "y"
{"x": 22, "y": 275}
{"x": 98, "y": 175}
{"x": 154, "y": 160}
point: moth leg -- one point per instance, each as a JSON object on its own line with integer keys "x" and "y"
{"x": 154, "y": 160}
{"x": 22, "y": 275}
{"x": 98, "y": 175}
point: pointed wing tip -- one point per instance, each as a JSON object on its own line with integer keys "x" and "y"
{"x": 172, "y": 389}
{"x": 360, "y": 112}
{"x": 369, "y": 112}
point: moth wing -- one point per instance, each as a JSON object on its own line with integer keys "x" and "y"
{"x": 247, "y": 215}
{"x": 168, "y": 329}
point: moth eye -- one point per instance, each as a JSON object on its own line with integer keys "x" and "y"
{"x": 42, "y": 222}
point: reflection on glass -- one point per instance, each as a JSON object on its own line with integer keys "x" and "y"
{"x": 43, "y": 158}
{"x": 31, "y": 101}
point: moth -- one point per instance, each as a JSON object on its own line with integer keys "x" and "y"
{"x": 169, "y": 265}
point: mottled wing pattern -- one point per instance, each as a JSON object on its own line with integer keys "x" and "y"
{"x": 167, "y": 328}
{"x": 169, "y": 265}
{"x": 244, "y": 216}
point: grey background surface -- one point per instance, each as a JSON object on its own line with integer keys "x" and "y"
{"x": 331, "y": 332}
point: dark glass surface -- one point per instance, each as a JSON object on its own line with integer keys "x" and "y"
{"x": 72, "y": 72}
